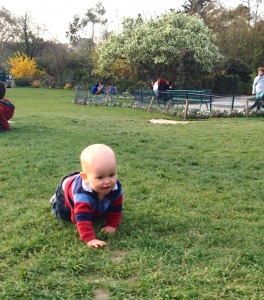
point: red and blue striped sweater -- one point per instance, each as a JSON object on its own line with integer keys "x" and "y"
{"x": 84, "y": 203}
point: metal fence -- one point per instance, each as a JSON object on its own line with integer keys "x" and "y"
{"x": 85, "y": 97}
{"x": 197, "y": 99}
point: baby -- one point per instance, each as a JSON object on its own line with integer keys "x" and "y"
{"x": 91, "y": 193}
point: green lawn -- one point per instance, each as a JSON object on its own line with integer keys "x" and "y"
{"x": 192, "y": 227}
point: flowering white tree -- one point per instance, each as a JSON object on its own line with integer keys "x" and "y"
{"x": 159, "y": 45}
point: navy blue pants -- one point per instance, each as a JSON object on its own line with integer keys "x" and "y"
{"x": 59, "y": 209}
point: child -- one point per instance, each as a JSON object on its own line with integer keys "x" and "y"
{"x": 6, "y": 109}
{"x": 93, "y": 192}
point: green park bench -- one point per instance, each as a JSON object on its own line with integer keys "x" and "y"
{"x": 175, "y": 97}
{"x": 193, "y": 96}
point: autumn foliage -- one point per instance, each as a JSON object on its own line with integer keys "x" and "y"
{"x": 23, "y": 66}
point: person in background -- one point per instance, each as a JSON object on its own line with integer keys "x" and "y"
{"x": 151, "y": 84}
{"x": 7, "y": 109}
{"x": 94, "y": 88}
{"x": 111, "y": 89}
{"x": 162, "y": 87}
{"x": 258, "y": 89}
{"x": 100, "y": 89}
{"x": 170, "y": 87}
{"x": 115, "y": 88}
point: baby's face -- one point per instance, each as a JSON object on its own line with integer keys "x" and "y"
{"x": 102, "y": 176}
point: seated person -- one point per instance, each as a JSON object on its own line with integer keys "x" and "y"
{"x": 7, "y": 109}
{"x": 100, "y": 89}
{"x": 94, "y": 88}
{"x": 115, "y": 88}
{"x": 111, "y": 89}
{"x": 170, "y": 87}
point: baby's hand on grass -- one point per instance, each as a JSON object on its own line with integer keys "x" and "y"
{"x": 108, "y": 229}
{"x": 96, "y": 243}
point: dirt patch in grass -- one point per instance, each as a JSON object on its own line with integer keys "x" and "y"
{"x": 117, "y": 257}
{"x": 163, "y": 121}
{"x": 101, "y": 294}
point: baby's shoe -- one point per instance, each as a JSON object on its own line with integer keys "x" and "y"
{"x": 53, "y": 199}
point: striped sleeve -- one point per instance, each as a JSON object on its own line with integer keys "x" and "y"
{"x": 83, "y": 216}
{"x": 114, "y": 212}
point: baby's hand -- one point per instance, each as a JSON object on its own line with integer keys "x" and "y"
{"x": 96, "y": 243}
{"x": 108, "y": 229}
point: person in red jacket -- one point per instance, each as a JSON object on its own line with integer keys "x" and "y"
{"x": 7, "y": 109}
{"x": 94, "y": 192}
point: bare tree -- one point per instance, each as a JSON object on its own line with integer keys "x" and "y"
{"x": 56, "y": 58}
{"x": 8, "y": 30}
{"x": 255, "y": 8}
{"x": 30, "y": 40}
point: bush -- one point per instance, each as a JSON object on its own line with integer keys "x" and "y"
{"x": 68, "y": 86}
{"x": 245, "y": 88}
{"x": 225, "y": 84}
{"x": 48, "y": 82}
{"x": 36, "y": 83}
{"x": 237, "y": 67}
{"x": 22, "y": 81}
{"x": 123, "y": 85}
{"x": 138, "y": 86}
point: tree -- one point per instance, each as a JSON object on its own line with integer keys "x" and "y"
{"x": 23, "y": 66}
{"x": 82, "y": 63}
{"x": 93, "y": 16}
{"x": 256, "y": 58}
{"x": 160, "y": 44}
{"x": 237, "y": 37}
{"x": 7, "y": 32}
{"x": 237, "y": 67}
{"x": 196, "y": 7}
{"x": 30, "y": 40}
{"x": 56, "y": 58}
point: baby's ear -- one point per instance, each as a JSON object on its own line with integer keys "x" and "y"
{"x": 84, "y": 176}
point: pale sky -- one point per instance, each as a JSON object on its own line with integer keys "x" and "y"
{"x": 56, "y": 14}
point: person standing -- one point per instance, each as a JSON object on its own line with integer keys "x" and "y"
{"x": 162, "y": 88}
{"x": 258, "y": 89}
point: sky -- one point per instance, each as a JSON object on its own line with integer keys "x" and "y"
{"x": 56, "y": 15}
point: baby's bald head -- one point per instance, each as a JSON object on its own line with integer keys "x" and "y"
{"x": 97, "y": 154}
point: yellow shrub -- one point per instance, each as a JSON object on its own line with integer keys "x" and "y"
{"x": 68, "y": 86}
{"x": 36, "y": 83}
{"x": 23, "y": 66}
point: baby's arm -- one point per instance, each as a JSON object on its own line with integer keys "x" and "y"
{"x": 96, "y": 243}
{"x": 108, "y": 229}
{"x": 114, "y": 215}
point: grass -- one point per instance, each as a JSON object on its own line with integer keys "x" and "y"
{"x": 192, "y": 224}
